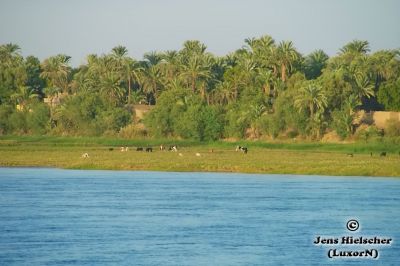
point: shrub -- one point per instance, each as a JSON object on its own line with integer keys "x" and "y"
{"x": 392, "y": 128}
{"x": 5, "y": 112}
{"x": 38, "y": 119}
{"x": 17, "y": 123}
{"x": 368, "y": 133}
{"x": 132, "y": 131}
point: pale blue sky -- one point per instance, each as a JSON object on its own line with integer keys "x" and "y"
{"x": 80, "y": 27}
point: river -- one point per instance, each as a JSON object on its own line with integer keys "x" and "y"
{"x": 74, "y": 217}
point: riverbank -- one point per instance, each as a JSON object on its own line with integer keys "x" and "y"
{"x": 274, "y": 158}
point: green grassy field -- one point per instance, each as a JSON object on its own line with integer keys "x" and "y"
{"x": 284, "y": 158}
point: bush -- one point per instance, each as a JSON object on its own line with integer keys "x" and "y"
{"x": 272, "y": 125}
{"x": 18, "y": 123}
{"x": 368, "y": 133}
{"x": 38, "y": 119}
{"x": 292, "y": 134}
{"x": 199, "y": 122}
{"x": 389, "y": 95}
{"x": 113, "y": 120}
{"x": 5, "y": 112}
{"x": 342, "y": 123}
{"x": 132, "y": 131}
{"x": 170, "y": 106}
{"x": 236, "y": 122}
{"x": 392, "y": 128}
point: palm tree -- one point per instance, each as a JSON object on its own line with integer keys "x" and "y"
{"x": 265, "y": 78}
{"x": 384, "y": 65}
{"x": 356, "y": 47}
{"x": 23, "y": 95}
{"x": 127, "y": 67}
{"x": 312, "y": 98}
{"x": 194, "y": 71}
{"x": 193, "y": 48}
{"x": 250, "y": 44}
{"x": 119, "y": 51}
{"x": 314, "y": 63}
{"x": 56, "y": 71}
{"x": 286, "y": 56}
{"x": 170, "y": 64}
{"x": 246, "y": 70}
{"x": 261, "y": 44}
{"x": 130, "y": 71}
{"x": 261, "y": 50}
{"x": 362, "y": 87}
{"x": 8, "y": 52}
{"x": 151, "y": 81}
{"x": 223, "y": 93}
{"x": 152, "y": 58}
{"x": 119, "y": 60}
{"x": 110, "y": 88}
{"x": 174, "y": 83}
{"x": 255, "y": 113}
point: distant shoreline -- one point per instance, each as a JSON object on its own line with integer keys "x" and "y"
{"x": 202, "y": 172}
{"x": 262, "y": 158}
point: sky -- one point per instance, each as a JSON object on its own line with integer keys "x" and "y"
{"x": 80, "y": 27}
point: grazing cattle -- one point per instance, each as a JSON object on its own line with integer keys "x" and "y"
{"x": 110, "y": 149}
{"x": 198, "y": 154}
{"x": 162, "y": 147}
{"x": 242, "y": 149}
{"x": 211, "y": 150}
{"x": 180, "y": 154}
{"x": 383, "y": 154}
{"x": 173, "y": 148}
{"x": 85, "y": 155}
{"x": 123, "y": 149}
{"x": 139, "y": 149}
{"x": 350, "y": 155}
{"x": 149, "y": 149}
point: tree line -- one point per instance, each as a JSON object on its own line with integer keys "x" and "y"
{"x": 264, "y": 89}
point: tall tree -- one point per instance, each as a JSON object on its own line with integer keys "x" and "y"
{"x": 23, "y": 96}
{"x": 314, "y": 63}
{"x": 151, "y": 83}
{"x": 362, "y": 87}
{"x": 56, "y": 71}
{"x": 194, "y": 71}
{"x": 110, "y": 88}
{"x": 356, "y": 47}
{"x": 312, "y": 98}
{"x": 286, "y": 56}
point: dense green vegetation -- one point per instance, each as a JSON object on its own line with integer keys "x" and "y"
{"x": 263, "y": 90}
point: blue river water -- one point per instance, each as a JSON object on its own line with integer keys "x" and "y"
{"x": 72, "y": 217}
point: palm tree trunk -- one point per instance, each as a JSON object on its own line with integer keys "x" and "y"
{"x": 203, "y": 93}
{"x": 129, "y": 90}
{"x": 311, "y": 110}
{"x": 266, "y": 89}
{"x": 283, "y": 72}
{"x": 193, "y": 84}
{"x": 275, "y": 70}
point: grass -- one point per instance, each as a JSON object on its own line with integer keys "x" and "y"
{"x": 263, "y": 157}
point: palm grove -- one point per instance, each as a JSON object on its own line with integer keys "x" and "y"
{"x": 263, "y": 90}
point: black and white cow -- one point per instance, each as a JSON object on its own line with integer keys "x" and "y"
{"x": 173, "y": 148}
{"x": 242, "y": 149}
